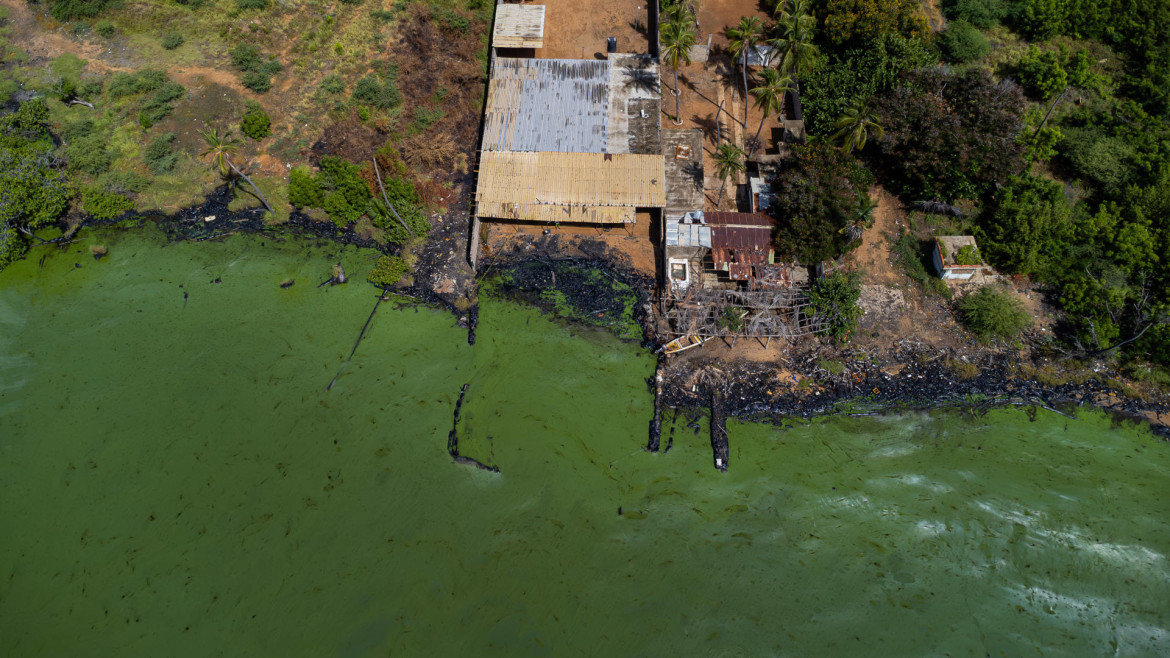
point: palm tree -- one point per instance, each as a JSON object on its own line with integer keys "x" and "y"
{"x": 793, "y": 41}
{"x": 856, "y": 124}
{"x": 220, "y": 148}
{"x": 861, "y": 219}
{"x": 678, "y": 37}
{"x": 743, "y": 38}
{"x": 676, "y": 12}
{"x": 770, "y": 97}
{"x": 728, "y": 161}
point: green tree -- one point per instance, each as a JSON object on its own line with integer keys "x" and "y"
{"x": 34, "y": 192}
{"x": 950, "y": 136}
{"x": 857, "y": 22}
{"x": 678, "y": 37}
{"x": 819, "y": 191}
{"x": 840, "y": 78}
{"x": 855, "y": 126}
{"x": 833, "y": 299}
{"x": 1028, "y": 227}
{"x": 1042, "y": 73}
{"x": 741, "y": 40}
{"x": 793, "y": 41}
{"x": 220, "y": 149}
{"x": 961, "y": 42}
{"x": 728, "y": 162}
{"x": 770, "y": 97}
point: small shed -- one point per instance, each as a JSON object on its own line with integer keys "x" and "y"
{"x": 956, "y": 257}
{"x": 518, "y": 26}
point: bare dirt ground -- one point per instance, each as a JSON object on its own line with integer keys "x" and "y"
{"x": 578, "y": 30}
{"x": 704, "y": 86}
{"x": 638, "y": 241}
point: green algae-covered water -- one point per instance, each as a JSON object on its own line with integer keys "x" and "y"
{"x": 176, "y": 481}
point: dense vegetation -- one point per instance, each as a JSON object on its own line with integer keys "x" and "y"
{"x": 34, "y": 191}
{"x": 1049, "y": 126}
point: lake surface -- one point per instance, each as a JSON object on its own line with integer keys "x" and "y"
{"x": 176, "y": 481}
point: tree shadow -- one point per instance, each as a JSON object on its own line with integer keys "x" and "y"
{"x": 642, "y": 79}
{"x": 708, "y": 125}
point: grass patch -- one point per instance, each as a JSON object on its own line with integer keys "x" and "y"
{"x": 915, "y": 257}
{"x": 830, "y": 366}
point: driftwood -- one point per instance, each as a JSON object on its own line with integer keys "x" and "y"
{"x": 938, "y": 208}
{"x": 78, "y": 101}
{"x": 378, "y": 174}
{"x": 245, "y": 177}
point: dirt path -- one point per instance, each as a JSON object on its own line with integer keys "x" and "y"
{"x": 874, "y": 255}
{"x": 934, "y": 16}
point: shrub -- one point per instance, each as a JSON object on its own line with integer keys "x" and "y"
{"x": 88, "y": 154}
{"x": 245, "y": 57}
{"x": 159, "y": 105}
{"x": 980, "y": 13}
{"x": 834, "y": 300}
{"x": 303, "y": 189}
{"x": 1097, "y": 158}
{"x": 993, "y": 314}
{"x": 961, "y": 42}
{"x": 104, "y": 28}
{"x": 256, "y": 81}
{"x": 387, "y": 271}
{"x": 256, "y": 72}
{"x": 123, "y": 182}
{"x": 256, "y": 122}
{"x": 245, "y": 5}
{"x": 381, "y": 93}
{"x": 77, "y": 130}
{"x": 100, "y": 204}
{"x": 159, "y": 156}
{"x": 68, "y": 10}
{"x": 172, "y": 40}
{"x": 91, "y": 88}
{"x": 1042, "y": 74}
{"x": 332, "y": 84}
{"x": 382, "y": 15}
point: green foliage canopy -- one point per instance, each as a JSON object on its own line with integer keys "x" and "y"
{"x": 992, "y": 314}
{"x": 950, "y": 136}
{"x": 818, "y": 191}
{"x": 34, "y": 192}
{"x": 834, "y": 299}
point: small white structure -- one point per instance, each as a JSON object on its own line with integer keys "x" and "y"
{"x": 956, "y": 257}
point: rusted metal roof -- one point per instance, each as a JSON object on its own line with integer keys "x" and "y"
{"x": 547, "y": 105}
{"x": 739, "y": 219}
{"x": 518, "y": 26}
{"x": 736, "y": 245}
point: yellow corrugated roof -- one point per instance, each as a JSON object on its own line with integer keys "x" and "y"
{"x": 569, "y": 187}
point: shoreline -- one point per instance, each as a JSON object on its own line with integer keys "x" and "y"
{"x": 795, "y": 384}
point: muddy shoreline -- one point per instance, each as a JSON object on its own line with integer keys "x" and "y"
{"x": 909, "y": 376}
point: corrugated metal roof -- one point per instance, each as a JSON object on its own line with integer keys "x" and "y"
{"x": 518, "y": 26}
{"x": 687, "y": 235}
{"x": 736, "y": 249}
{"x": 739, "y": 219}
{"x": 568, "y": 187}
{"x": 547, "y": 105}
